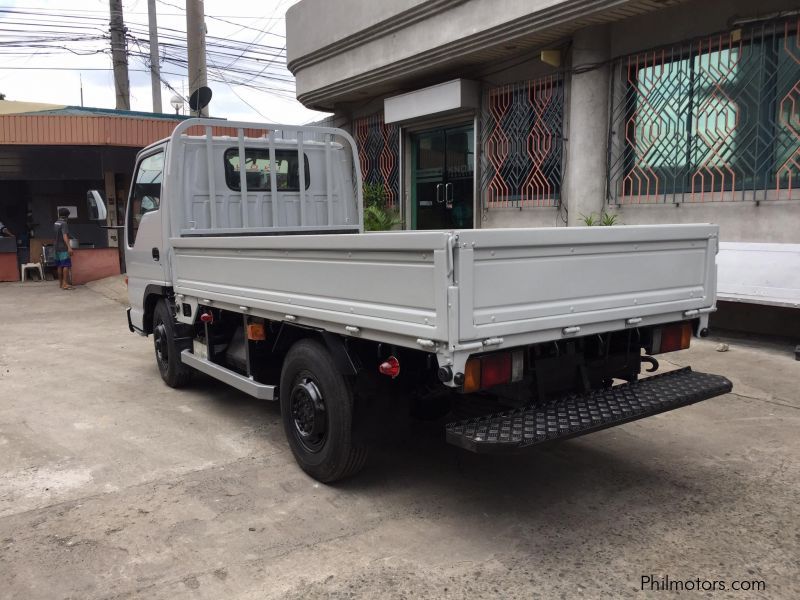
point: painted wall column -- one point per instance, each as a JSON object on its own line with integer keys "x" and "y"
{"x": 587, "y": 128}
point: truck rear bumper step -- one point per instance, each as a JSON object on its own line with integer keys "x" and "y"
{"x": 580, "y": 414}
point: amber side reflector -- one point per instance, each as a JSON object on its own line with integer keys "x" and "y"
{"x": 256, "y": 332}
{"x": 472, "y": 375}
{"x": 675, "y": 337}
{"x": 126, "y": 281}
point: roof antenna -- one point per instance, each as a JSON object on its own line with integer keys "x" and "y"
{"x": 80, "y": 78}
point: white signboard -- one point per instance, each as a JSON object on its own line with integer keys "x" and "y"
{"x": 759, "y": 273}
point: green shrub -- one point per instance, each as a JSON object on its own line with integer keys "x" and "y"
{"x": 378, "y": 215}
{"x": 605, "y": 219}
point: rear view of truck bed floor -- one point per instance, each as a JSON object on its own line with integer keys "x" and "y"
{"x": 580, "y": 414}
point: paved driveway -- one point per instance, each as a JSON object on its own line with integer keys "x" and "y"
{"x": 114, "y": 486}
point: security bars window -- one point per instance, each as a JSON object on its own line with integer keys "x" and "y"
{"x": 715, "y": 120}
{"x": 378, "y": 149}
{"x": 521, "y": 138}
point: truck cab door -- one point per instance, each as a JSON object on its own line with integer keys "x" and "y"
{"x": 145, "y": 250}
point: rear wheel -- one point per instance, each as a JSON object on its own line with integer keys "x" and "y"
{"x": 317, "y": 413}
{"x": 174, "y": 373}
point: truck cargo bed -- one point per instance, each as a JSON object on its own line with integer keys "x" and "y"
{"x": 456, "y": 292}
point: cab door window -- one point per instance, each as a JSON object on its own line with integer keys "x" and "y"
{"x": 146, "y": 193}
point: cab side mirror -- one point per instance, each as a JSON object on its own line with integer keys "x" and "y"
{"x": 95, "y": 205}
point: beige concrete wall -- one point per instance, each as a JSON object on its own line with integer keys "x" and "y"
{"x": 339, "y": 50}
{"x": 773, "y": 221}
{"x": 315, "y": 24}
{"x": 346, "y": 18}
{"x": 526, "y": 217}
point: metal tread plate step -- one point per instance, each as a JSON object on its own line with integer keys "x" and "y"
{"x": 579, "y": 414}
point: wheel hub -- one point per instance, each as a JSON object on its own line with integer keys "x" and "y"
{"x": 160, "y": 339}
{"x": 308, "y": 413}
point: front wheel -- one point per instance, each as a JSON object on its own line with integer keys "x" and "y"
{"x": 174, "y": 373}
{"x": 317, "y": 413}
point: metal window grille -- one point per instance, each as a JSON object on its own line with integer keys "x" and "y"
{"x": 714, "y": 120}
{"x": 378, "y": 149}
{"x": 521, "y": 137}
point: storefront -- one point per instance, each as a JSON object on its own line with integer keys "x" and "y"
{"x": 50, "y": 157}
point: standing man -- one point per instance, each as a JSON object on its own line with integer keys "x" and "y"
{"x": 63, "y": 249}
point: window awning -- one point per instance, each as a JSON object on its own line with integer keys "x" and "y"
{"x": 448, "y": 97}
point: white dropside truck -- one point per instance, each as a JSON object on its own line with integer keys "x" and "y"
{"x": 247, "y": 262}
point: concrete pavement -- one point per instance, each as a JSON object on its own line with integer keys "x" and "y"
{"x": 114, "y": 486}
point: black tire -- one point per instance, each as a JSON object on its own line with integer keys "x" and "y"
{"x": 174, "y": 373}
{"x": 317, "y": 414}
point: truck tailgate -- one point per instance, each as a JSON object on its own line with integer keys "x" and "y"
{"x": 519, "y": 281}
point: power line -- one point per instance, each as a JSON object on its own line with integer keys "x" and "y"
{"x": 212, "y": 17}
{"x": 49, "y": 32}
{"x": 103, "y": 12}
{"x": 232, "y": 89}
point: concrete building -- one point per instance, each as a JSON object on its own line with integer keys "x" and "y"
{"x": 529, "y": 113}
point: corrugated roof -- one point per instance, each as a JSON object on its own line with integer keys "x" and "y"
{"x": 65, "y": 130}
{"x": 32, "y": 124}
{"x": 37, "y": 123}
{"x": 47, "y": 129}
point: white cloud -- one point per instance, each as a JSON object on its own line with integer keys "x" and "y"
{"x": 43, "y": 78}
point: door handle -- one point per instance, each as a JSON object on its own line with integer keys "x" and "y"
{"x": 439, "y": 193}
{"x": 448, "y": 194}
{"x": 156, "y": 255}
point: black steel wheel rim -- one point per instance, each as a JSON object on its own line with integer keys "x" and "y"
{"x": 161, "y": 344}
{"x": 309, "y": 416}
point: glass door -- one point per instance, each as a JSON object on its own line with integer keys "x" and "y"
{"x": 442, "y": 178}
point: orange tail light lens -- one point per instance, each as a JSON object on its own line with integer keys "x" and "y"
{"x": 472, "y": 375}
{"x": 672, "y": 338}
{"x": 256, "y": 332}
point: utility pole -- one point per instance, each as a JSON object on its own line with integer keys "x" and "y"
{"x": 196, "y": 45}
{"x": 155, "y": 69}
{"x": 119, "y": 56}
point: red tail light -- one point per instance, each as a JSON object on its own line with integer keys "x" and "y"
{"x": 390, "y": 367}
{"x": 495, "y": 369}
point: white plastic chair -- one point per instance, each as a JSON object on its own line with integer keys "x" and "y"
{"x": 31, "y": 265}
